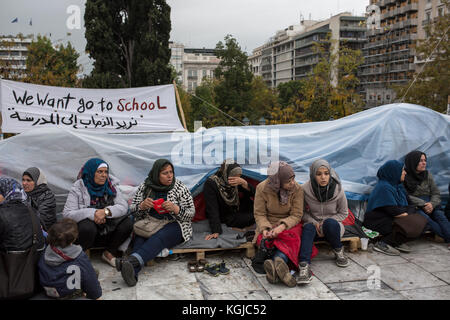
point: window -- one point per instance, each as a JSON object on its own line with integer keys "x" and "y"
{"x": 428, "y": 16}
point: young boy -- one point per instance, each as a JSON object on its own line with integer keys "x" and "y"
{"x": 64, "y": 269}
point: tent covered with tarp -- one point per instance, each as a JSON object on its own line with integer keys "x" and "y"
{"x": 356, "y": 146}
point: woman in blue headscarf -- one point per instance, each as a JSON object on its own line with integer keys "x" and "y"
{"x": 387, "y": 201}
{"x": 99, "y": 208}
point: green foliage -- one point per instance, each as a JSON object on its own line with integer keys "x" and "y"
{"x": 129, "y": 41}
{"x": 431, "y": 88}
{"x": 51, "y": 66}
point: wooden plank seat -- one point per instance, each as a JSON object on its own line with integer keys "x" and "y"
{"x": 354, "y": 243}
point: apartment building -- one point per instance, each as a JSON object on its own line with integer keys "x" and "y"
{"x": 193, "y": 65}
{"x": 289, "y": 55}
{"x": 13, "y": 56}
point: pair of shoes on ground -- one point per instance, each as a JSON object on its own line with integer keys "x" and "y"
{"x": 216, "y": 269}
{"x": 277, "y": 270}
{"x": 197, "y": 266}
{"x": 385, "y": 248}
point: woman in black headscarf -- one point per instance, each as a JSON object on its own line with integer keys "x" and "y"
{"x": 222, "y": 200}
{"x": 424, "y": 194}
{"x": 176, "y": 212}
{"x": 40, "y": 197}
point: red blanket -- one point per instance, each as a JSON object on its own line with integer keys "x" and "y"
{"x": 289, "y": 242}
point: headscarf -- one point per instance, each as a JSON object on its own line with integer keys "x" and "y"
{"x": 279, "y": 173}
{"x": 228, "y": 193}
{"x": 152, "y": 183}
{"x": 11, "y": 190}
{"x": 325, "y": 193}
{"x": 88, "y": 174}
{"x": 389, "y": 190}
{"x": 413, "y": 178}
{"x": 40, "y": 181}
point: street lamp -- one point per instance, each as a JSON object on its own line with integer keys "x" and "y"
{"x": 262, "y": 121}
{"x": 246, "y": 121}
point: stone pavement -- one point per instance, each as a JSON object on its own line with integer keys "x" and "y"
{"x": 422, "y": 274}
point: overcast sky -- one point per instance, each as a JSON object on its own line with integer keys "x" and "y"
{"x": 195, "y": 23}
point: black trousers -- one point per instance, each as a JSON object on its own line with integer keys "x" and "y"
{"x": 241, "y": 220}
{"x": 389, "y": 232}
{"x": 88, "y": 235}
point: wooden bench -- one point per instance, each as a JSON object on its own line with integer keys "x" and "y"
{"x": 355, "y": 243}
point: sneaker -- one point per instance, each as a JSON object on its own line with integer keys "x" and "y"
{"x": 271, "y": 273}
{"x": 223, "y": 269}
{"x": 304, "y": 274}
{"x": 212, "y": 269}
{"x": 382, "y": 247}
{"x": 404, "y": 248}
{"x": 341, "y": 259}
{"x": 128, "y": 274}
{"x": 284, "y": 273}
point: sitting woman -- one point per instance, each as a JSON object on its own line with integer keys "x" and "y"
{"x": 325, "y": 209}
{"x": 223, "y": 204}
{"x": 424, "y": 194}
{"x": 388, "y": 201}
{"x": 278, "y": 211}
{"x": 40, "y": 197}
{"x": 97, "y": 205}
{"x": 175, "y": 215}
{"x": 16, "y": 233}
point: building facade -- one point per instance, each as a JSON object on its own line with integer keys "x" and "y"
{"x": 289, "y": 55}
{"x": 193, "y": 65}
{"x": 13, "y": 56}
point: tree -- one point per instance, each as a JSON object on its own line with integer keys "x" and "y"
{"x": 331, "y": 90}
{"x": 129, "y": 41}
{"x": 264, "y": 100}
{"x": 52, "y": 66}
{"x": 430, "y": 87}
{"x": 234, "y": 91}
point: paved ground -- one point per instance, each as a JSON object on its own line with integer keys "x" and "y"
{"x": 422, "y": 274}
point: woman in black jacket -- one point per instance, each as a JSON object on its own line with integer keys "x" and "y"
{"x": 223, "y": 202}
{"x": 40, "y": 197}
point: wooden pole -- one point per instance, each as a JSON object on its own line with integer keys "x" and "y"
{"x": 180, "y": 107}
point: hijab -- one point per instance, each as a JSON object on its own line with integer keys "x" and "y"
{"x": 389, "y": 190}
{"x": 152, "y": 183}
{"x": 279, "y": 173}
{"x": 40, "y": 181}
{"x": 228, "y": 193}
{"x": 325, "y": 193}
{"x": 11, "y": 190}
{"x": 413, "y": 178}
{"x": 96, "y": 190}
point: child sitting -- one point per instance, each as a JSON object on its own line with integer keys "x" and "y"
{"x": 65, "y": 271}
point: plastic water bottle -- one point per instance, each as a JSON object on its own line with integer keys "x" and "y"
{"x": 164, "y": 253}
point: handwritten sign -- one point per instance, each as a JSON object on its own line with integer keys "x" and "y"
{"x": 146, "y": 109}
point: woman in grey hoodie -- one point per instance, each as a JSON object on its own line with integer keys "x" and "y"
{"x": 325, "y": 209}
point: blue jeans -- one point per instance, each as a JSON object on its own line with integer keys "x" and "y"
{"x": 437, "y": 222}
{"x": 331, "y": 231}
{"x": 147, "y": 249}
{"x": 280, "y": 254}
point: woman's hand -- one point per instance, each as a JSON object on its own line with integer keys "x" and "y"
{"x": 171, "y": 207}
{"x": 404, "y": 214}
{"x": 100, "y": 216}
{"x": 428, "y": 208}
{"x": 146, "y": 204}
{"x": 265, "y": 233}
{"x": 237, "y": 181}
{"x": 319, "y": 229}
{"x": 276, "y": 231}
{"x": 212, "y": 236}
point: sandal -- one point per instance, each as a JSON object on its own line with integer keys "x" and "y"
{"x": 192, "y": 266}
{"x": 212, "y": 269}
{"x": 201, "y": 265}
{"x": 223, "y": 269}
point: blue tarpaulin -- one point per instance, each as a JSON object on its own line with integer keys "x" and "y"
{"x": 356, "y": 146}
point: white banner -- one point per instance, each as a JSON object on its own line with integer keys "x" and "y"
{"x": 146, "y": 109}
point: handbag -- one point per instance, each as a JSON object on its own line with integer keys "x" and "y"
{"x": 412, "y": 225}
{"x": 110, "y": 225}
{"x": 262, "y": 254}
{"x": 18, "y": 276}
{"x": 148, "y": 226}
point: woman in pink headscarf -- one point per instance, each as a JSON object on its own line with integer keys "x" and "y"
{"x": 278, "y": 211}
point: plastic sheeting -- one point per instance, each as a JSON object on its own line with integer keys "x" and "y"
{"x": 356, "y": 146}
